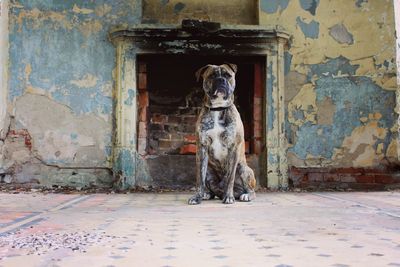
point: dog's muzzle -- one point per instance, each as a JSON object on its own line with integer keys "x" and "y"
{"x": 220, "y": 86}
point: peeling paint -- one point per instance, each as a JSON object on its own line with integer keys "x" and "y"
{"x": 272, "y": 6}
{"x": 87, "y": 81}
{"x": 309, "y": 5}
{"x": 340, "y": 33}
{"x": 131, "y": 94}
{"x": 179, "y": 7}
{"x": 310, "y": 30}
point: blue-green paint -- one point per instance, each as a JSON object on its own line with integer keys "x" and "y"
{"x": 272, "y": 6}
{"x": 125, "y": 163}
{"x": 179, "y": 7}
{"x": 270, "y": 99}
{"x": 309, "y": 5}
{"x": 310, "y": 30}
{"x": 359, "y": 3}
{"x": 131, "y": 95}
{"x": 333, "y": 67}
{"x": 59, "y": 54}
{"x": 288, "y": 61}
{"x": 272, "y": 158}
{"x": 352, "y": 96}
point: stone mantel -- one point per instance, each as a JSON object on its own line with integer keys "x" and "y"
{"x": 244, "y": 40}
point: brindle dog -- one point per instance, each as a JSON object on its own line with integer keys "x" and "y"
{"x": 222, "y": 170}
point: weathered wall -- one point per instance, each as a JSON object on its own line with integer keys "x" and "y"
{"x": 340, "y": 81}
{"x": 397, "y": 19}
{"x": 60, "y": 89}
{"x": 3, "y": 76}
{"x": 227, "y": 12}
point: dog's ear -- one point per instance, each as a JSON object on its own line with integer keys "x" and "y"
{"x": 201, "y": 71}
{"x": 233, "y": 67}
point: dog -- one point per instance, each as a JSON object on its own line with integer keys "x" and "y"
{"x": 222, "y": 170}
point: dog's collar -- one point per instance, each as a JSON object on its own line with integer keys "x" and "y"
{"x": 219, "y": 109}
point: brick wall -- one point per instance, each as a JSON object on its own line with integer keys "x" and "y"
{"x": 166, "y": 128}
{"x": 344, "y": 178}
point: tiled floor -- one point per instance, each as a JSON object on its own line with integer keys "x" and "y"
{"x": 278, "y": 229}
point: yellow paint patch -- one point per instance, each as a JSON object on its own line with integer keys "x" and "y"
{"x": 372, "y": 28}
{"x": 86, "y": 81}
{"x": 37, "y": 19}
{"x": 379, "y": 148}
{"x": 368, "y": 158}
{"x": 392, "y": 152}
{"x": 102, "y": 10}
{"x": 28, "y": 71}
{"x": 79, "y": 10}
{"x": 365, "y": 134}
{"x": 304, "y": 101}
{"x": 90, "y": 27}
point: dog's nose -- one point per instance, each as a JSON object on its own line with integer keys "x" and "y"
{"x": 217, "y": 94}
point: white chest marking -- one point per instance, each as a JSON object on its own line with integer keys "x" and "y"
{"x": 219, "y": 151}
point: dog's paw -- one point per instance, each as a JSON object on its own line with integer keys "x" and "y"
{"x": 245, "y": 197}
{"x": 228, "y": 200}
{"x": 208, "y": 196}
{"x": 195, "y": 200}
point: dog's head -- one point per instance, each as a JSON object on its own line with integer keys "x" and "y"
{"x": 218, "y": 84}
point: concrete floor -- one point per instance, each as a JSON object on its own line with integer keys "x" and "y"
{"x": 278, "y": 229}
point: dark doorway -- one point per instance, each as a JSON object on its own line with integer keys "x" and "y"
{"x": 170, "y": 99}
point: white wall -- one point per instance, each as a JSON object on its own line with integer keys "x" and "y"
{"x": 3, "y": 65}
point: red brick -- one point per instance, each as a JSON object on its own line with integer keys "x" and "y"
{"x": 384, "y": 178}
{"x": 142, "y": 81}
{"x": 174, "y": 119}
{"x": 143, "y": 114}
{"x": 190, "y": 119}
{"x": 158, "y": 118}
{"x": 169, "y": 144}
{"x": 348, "y": 170}
{"x": 365, "y": 179}
{"x": 331, "y": 177}
{"x": 257, "y": 147}
{"x": 142, "y": 67}
{"x": 142, "y": 129}
{"x": 188, "y": 149}
{"x": 190, "y": 138}
{"x": 316, "y": 177}
{"x": 258, "y": 129}
{"x": 142, "y": 144}
{"x": 347, "y": 178}
{"x": 258, "y": 83}
{"x": 143, "y": 99}
{"x": 247, "y": 147}
{"x": 257, "y": 113}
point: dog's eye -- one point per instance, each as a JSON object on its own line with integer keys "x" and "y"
{"x": 227, "y": 75}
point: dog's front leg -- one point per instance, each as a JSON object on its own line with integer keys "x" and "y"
{"x": 201, "y": 173}
{"x": 232, "y": 163}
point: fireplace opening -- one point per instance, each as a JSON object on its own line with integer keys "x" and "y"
{"x": 169, "y": 102}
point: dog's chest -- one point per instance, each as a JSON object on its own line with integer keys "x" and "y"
{"x": 218, "y": 147}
